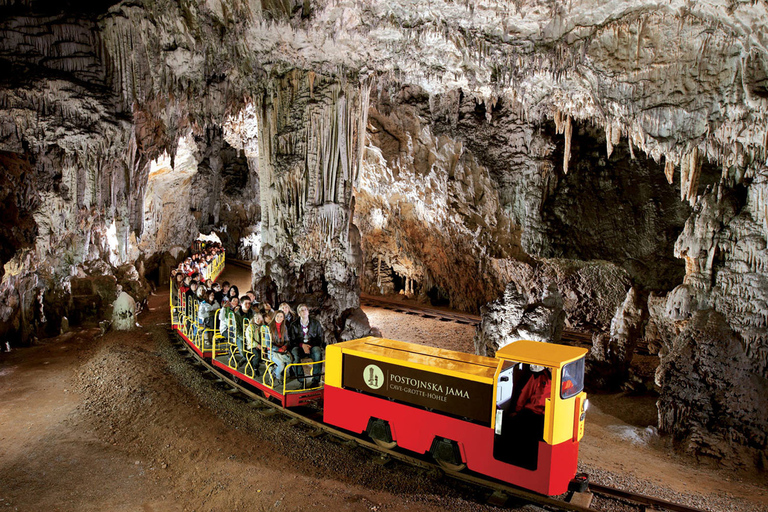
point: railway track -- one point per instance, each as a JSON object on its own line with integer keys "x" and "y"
{"x": 569, "y": 336}
{"x": 500, "y": 493}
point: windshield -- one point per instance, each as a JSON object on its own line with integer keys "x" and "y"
{"x": 572, "y": 382}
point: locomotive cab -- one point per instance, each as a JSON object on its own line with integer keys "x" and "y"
{"x": 539, "y": 400}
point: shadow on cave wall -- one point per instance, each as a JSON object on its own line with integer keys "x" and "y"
{"x": 616, "y": 208}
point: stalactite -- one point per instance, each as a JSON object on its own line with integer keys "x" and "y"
{"x": 669, "y": 170}
{"x": 690, "y": 169}
{"x": 608, "y": 138}
{"x": 567, "y": 151}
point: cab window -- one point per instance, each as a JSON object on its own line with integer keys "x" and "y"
{"x": 572, "y": 381}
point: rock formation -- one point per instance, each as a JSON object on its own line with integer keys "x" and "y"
{"x": 593, "y": 165}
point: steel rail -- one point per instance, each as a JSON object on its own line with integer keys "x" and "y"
{"x": 466, "y": 318}
{"x": 641, "y": 499}
{"x": 569, "y": 335}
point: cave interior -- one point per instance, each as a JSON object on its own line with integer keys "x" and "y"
{"x": 598, "y": 168}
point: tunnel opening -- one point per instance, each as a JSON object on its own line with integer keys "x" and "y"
{"x": 438, "y": 297}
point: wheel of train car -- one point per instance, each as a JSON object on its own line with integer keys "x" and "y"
{"x": 447, "y": 454}
{"x": 383, "y": 444}
{"x": 448, "y": 466}
{"x": 381, "y": 433}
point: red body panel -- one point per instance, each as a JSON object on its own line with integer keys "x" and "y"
{"x": 205, "y": 354}
{"x": 414, "y": 429}
{"x": 287, "y": 400}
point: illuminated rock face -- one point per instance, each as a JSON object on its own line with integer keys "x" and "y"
{"x": 124, "y": 313}
{"x": 568, "y": 152}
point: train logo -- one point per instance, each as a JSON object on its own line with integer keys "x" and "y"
{"x": 373, "y": 376}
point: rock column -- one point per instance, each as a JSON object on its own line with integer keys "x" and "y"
{"x": 311, "y": 138}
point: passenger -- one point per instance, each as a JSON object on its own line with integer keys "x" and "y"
{"x": 185, "y": 285}
{"x": 253, "y": 340}
{"x": 223, "y": 312}
{"x": 178, "y": 283}
{"x": 230, "y": 320}
{"x": 225, "y": 288}
{"x": 233, "y": 292}
{"x": 206, "y": 315}
{"x": 307, "y": 341}
{"x": 190, "y": 299}
{"x": 209, "y": 283}
{"x": 191, "y": 293}
{"x": 290, "y": 316}
{"x": 242, "y": 315}
{"x": 279, "y": 353}
{"x": 218, "y": 292}
{"x": 252, "y": 295}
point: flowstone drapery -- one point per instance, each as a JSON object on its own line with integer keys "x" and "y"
{"x": 311, "y": 139}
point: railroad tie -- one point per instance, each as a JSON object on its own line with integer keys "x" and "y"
{"x": 582, "y": 499}
{"x": 497, "y": 499}
{"x": 382, "y": 459}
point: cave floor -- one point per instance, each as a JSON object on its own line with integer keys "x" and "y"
{"x": 122, "y": 423}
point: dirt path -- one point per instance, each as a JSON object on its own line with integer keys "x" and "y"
{"x": 124, "y": 423}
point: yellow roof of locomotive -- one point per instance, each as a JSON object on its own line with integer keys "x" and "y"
{"x": 433, "y": 359}
{"x": 536, "y": 352}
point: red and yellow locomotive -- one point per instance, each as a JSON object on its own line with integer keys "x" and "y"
{"x": 465, "y": 410}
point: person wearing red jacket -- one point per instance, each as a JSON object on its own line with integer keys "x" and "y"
{"x": 522, "y": 427}
{"x": 535, "y": 392}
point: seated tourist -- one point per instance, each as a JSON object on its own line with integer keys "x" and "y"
{"x": 279, "y": 353}
{"x": 230, "y": 320}
{"x": 253, "y": 340}
{"x": 307, "y": 341}
{"x": 217, "y": 290}
{"x": 178, "y": 284}
{"x": 242, "y": 315}
{"x": 290, "y": 316}
{"x": 185, "y": 285}
{"x": 223, "y": 312}
{"x": 267, "y": 308}
{"x": 206, "y": 314}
